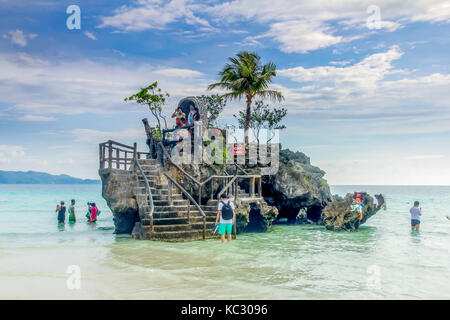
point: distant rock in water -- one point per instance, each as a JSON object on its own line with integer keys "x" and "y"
{"x": 338, "y": 215}
{"x": 33, "y": 177}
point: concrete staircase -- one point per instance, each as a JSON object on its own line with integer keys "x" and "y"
{"x": 171, "y": 222}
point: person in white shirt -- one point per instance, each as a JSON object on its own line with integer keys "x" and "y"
{"x": 226, "y": 217}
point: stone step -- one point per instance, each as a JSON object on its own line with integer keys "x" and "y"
{"x": 183, "y": 227}
{"x": 148, "y": 161}
{"x": 157, "y": 195}
{"x": 149, "y": 173}
{"x": 177, "y": 220}
{"x": 174, "y": 203}
{"x": 176, "y": 235}
{"x": 151, "y": 184}
{"x": 169, "y": 221}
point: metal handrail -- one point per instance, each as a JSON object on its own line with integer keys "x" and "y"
{"x": 177, "y": 166}
{"x": 186, "y": 193}
{"x": 191, "y": 199}
{"x": 149, "y": 192}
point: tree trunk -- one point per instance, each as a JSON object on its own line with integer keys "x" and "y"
{"x": 247, "y": 119}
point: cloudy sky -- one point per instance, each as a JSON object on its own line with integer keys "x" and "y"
{"x": 368, "y": 98}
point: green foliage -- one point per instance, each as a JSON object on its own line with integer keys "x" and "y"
{"x": 324, "y": 183}
{"x": 214, "y": 106}
{"x": 154, "y": 98}
{"x": 219, "y": 145}
{"x": 263, "y": 116}
{"x": 156, "y": 133}
{"x": 245, "y": 76}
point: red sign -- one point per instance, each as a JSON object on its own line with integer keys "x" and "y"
{"x": 238, "y": 151}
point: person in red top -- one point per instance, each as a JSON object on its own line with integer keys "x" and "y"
{"x": 94, "y": 211}
{"x": 180, "y": 118}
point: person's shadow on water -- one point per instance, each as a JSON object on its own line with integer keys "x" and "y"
{"x": 61, "y": 227}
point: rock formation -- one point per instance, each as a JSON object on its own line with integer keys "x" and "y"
{"x": 118, "y": 193}
{"x": 297, "y": 185}
{"x": 338, "y": 216}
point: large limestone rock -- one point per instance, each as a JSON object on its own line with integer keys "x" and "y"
{"x": 254, "y": 216}
{"x": 338, "y": 216}
{"x": 297, "y": 185}
{"x": 118, "y": 192}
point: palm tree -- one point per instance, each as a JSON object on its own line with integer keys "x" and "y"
{"x": 245, "y": 76}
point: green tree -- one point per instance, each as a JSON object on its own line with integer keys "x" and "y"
{"x": 262, "y": 116}
{"x": 214, "y": 106}
{"x": 245, "y": 76}
{"x": 154, "y": 98}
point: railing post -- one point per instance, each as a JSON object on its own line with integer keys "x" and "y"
{"x": 170, "y": 192}
{"x": 204, "y": 228}
{"x": 151, "y": 223}
{"x": 252, "y": 187}
{"x": 117, "y": 158}
{"x": 110, "y": 151}
{"x": 236, "y": 192}
{"x": 135, "y": 151}
{"x": 189, "y": 212}
{"x": 100, "y": 153}
{"x": 200, "y": 195}
{"x": 260, "y": 187}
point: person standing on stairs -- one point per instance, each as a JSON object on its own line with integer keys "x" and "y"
{"x": 226, "y": 216}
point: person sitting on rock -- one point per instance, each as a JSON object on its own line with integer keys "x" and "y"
{"x": 357, "y": 205}
{"x": 180, "y": 118}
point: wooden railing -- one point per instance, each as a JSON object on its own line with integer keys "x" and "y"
{"x": 115, "y": 155}
{"x": 231, "y": 187}
{"x": 190, "y": 198}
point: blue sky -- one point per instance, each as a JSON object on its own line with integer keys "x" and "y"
{"x": 368, "y": 100}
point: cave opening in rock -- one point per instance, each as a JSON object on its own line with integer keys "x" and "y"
{"x": 124, "y": 222}
{"x": 256, "y": 221}
{"x": 314, "y": 213}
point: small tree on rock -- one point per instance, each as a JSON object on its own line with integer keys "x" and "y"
{"x": 154, "y": 98}
{"x": 214, "y": 105}
{"x": 262, "y": 116}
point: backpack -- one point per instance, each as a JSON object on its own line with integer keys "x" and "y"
{"x": 227, "y": 211}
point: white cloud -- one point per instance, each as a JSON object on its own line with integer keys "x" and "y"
{"x": 10, "y": 153}
{"x": 178, "y": 72}
{"x": 34, "y": 86}
{"x": 154, "y": 14}
{"x": 302, "y": 36}
{"x": 299, "y": 26}
{"x": 371, "y": 96}
{"x": 90, "y": 35}
{"x": 90, "y": 135}
{"x": 426, "y": 157}
{"x": 31, "y": 117}
{"x": 339, "y": 63}
{"x": 19, "y": 37}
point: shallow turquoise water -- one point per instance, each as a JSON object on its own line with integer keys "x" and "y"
{"x": 382, "y": 260}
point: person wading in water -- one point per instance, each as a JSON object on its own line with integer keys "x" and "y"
{"x": 72, "y": 217}
{"x": 61, "y": 209}
{"x": 225, "y": 217}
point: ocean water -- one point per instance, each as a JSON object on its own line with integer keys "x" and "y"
{"x": 383, "y": 260}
